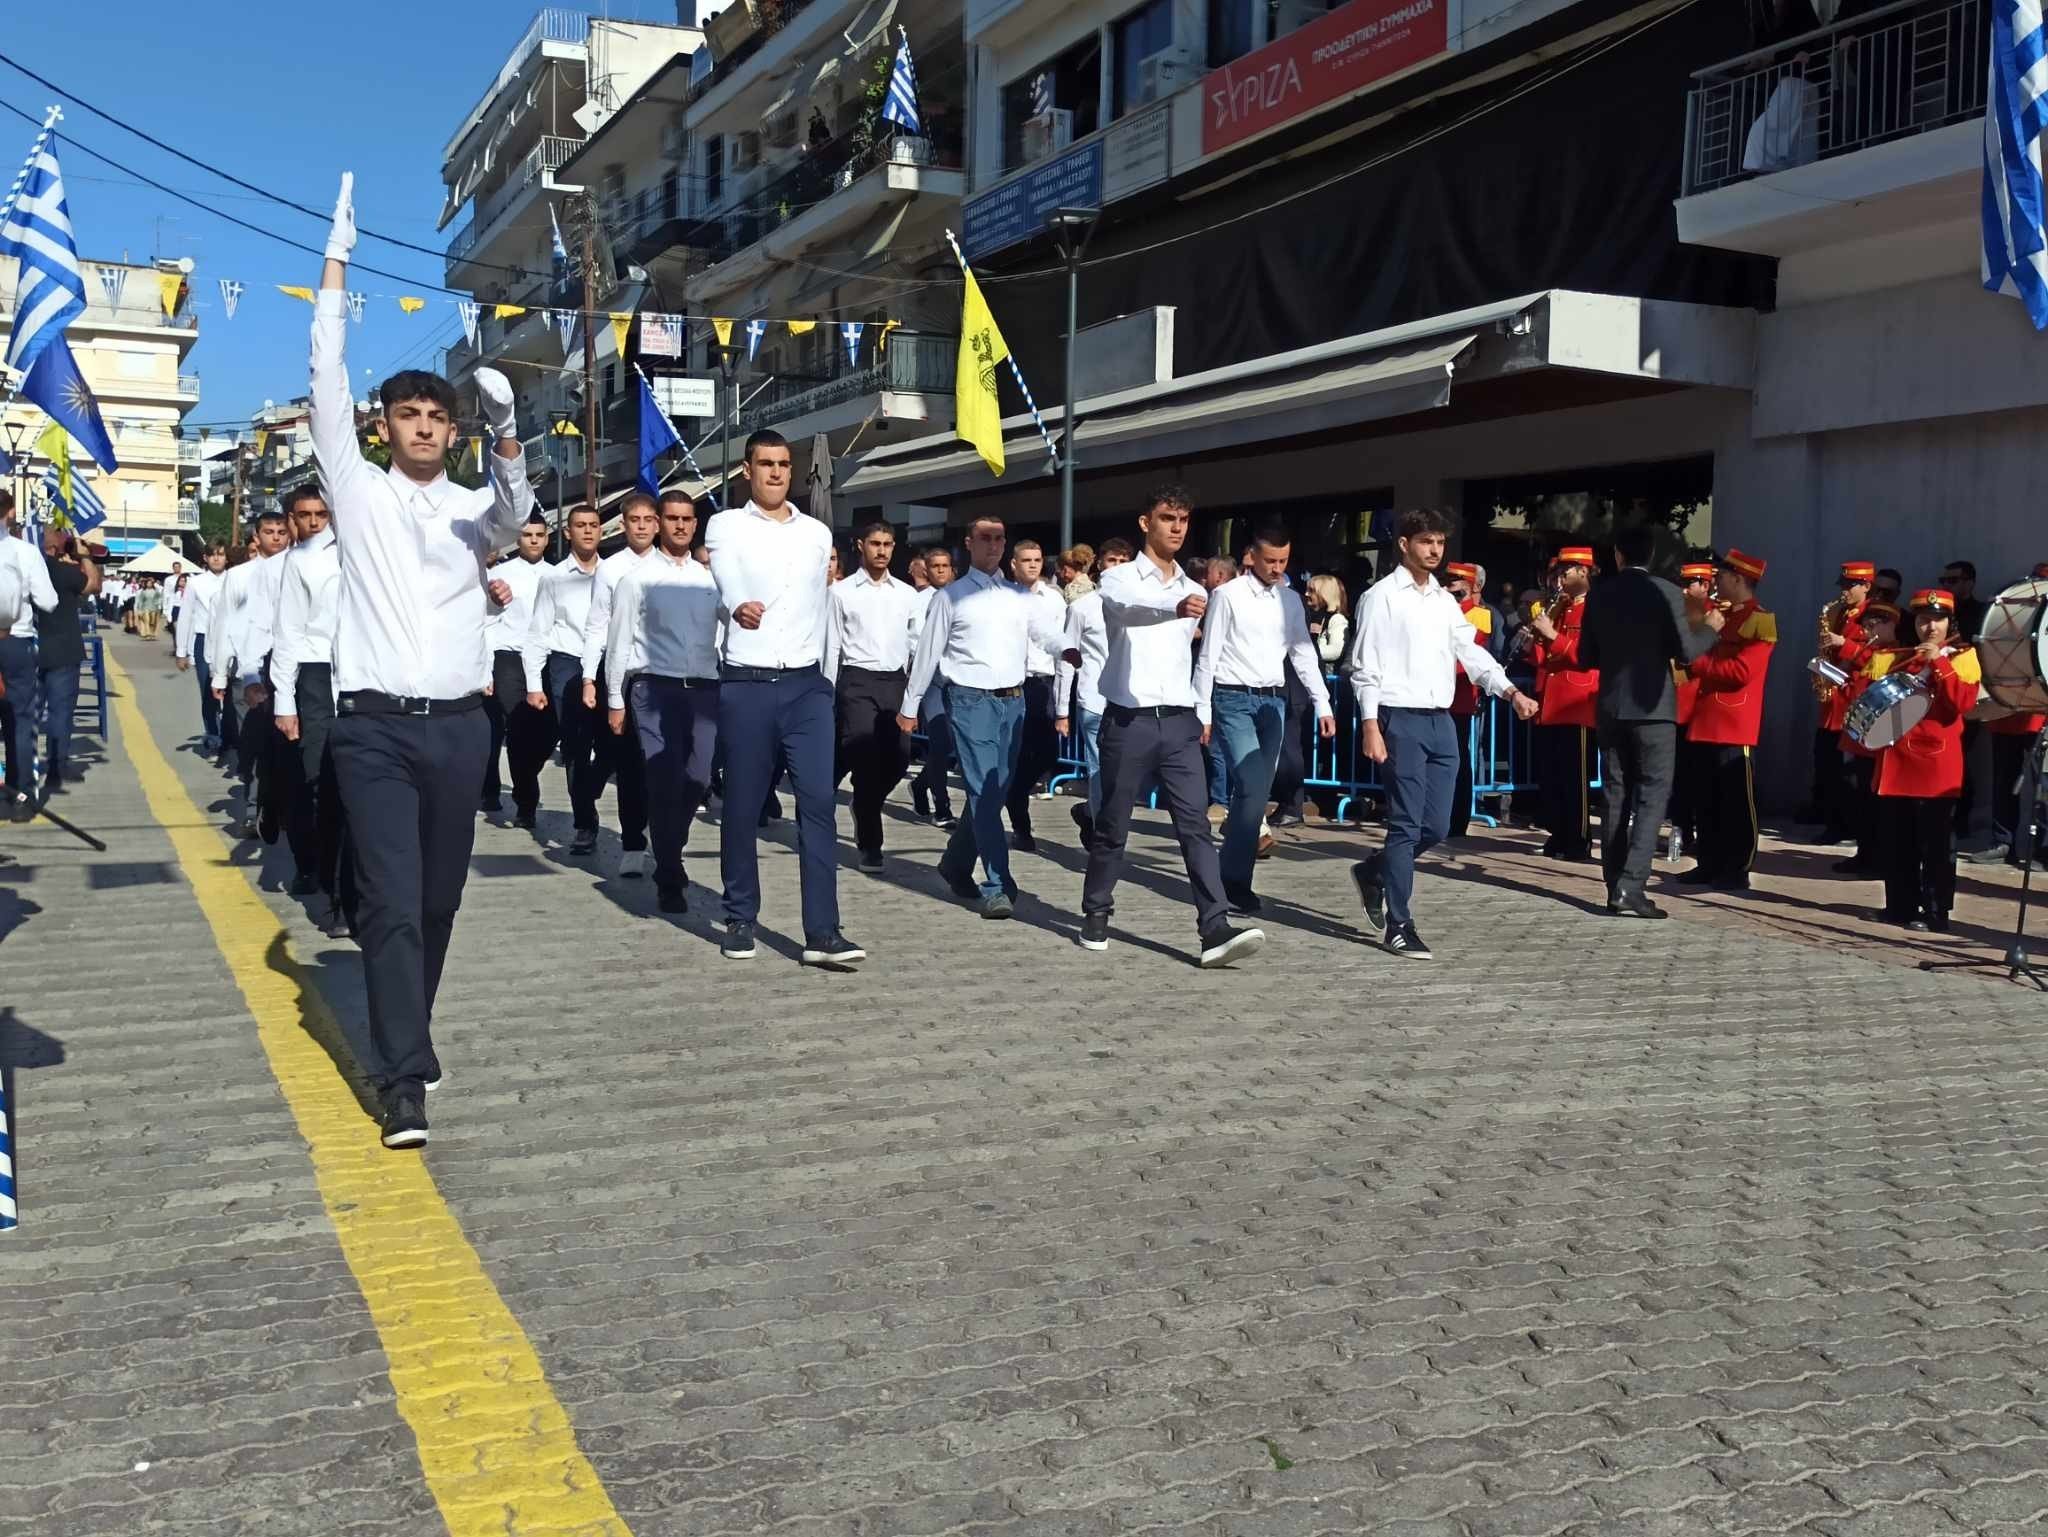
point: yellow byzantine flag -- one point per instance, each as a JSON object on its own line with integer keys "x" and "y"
{"x": 977, "y": 412}
{"x": 55, "y": 446}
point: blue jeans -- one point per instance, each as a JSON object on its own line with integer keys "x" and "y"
{"x": 209, "y": 707}
{"x": 764, "y": 723}
{"x": 1091, "y": 757}
{"x": 1219, "y": 773}
{"x": 1420, "y": 774}
{"x": 987, "y": 730}
{"x": 1248, "y": 732}
{"x": 60, "y": 705}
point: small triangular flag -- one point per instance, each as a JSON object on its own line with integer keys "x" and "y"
{"x": 507, "y": 311}
{"x": 756, "y": 330}
{"x": 170, "y": 287}
{"x": 850, "y": 334}
{"x": 467, "y": 309}
{"x": 295, "y": 291}
{"x": 565, "y": 322}
{"x": 111, "y": 279}
{"x": 798, "y": 327}
{"x": 230, "y": 295}
{"x": 722, "y": 329}
{"x": 355, "y": 306}
{"x": 621, "y": 326}
{"x": 411, "y": 305}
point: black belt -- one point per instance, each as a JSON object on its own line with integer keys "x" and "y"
{"x": 736, "y": 674}
{"x": 1249, "y": 688}
{"x": 869, "y": 672}
{"x": 1157, "y": 711}
{"x": 367, "y": 701}
{"x": 993, "y": 693}
{"x": 662, "y": 677}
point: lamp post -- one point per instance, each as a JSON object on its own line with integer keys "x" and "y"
{"x": 563, "y": 425}
{"x": 15, "y": 429}
{"x": 730, "y": 403}
{"x": 1070, "y": 228}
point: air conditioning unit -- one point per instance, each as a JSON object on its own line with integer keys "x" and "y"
{"x": 1165, "y": 72}
{"x": 1048, "y": 133}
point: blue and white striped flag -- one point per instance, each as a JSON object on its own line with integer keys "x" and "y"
{"x": 901, "y": 106}
{"x": 756, "y": 329}
{"x": 87, "y": 511}
{"x": 2015, "y": 115}
{"x": 37, "y": 233}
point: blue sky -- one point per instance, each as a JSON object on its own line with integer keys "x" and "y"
{"x": 287, "y": 105}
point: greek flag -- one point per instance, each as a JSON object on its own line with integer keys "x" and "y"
{"x": 901, "y": 106}
{"x": 37, "y": 233}
{"x": 87, "y": 512}
{"x": 2015, "y": 114}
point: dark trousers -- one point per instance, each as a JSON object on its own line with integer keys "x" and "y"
{"x": 872, "y": 747}
{"x": 2009, "y": 753}
{"x": 408, "y": 784}
{"x": 1141, "y": 747}
{"x": 785, "y": 715}
{"x": 1830, "y": 786}
{"x": 1563, "y": 769}
{"x": 1297, "y": 750}
{"x": 1726, "y": 813}
{"x": 209, "y": 707}
{"x": 1920, "y": 868}
{"x": 18, "y": 710}
{"x": 1038, "y": 749}
{"x": 60, "y": 704}
{"x": 1461, "y": 793}
{"x": 938, "y": 755}
{"x": 1973, "y": 808}
{"x": 316, "y": 804}
{"x": 524, "y": 734}
{"x": 677, "y": 722}
{"x": 1859, "y": 796}
{"x": 618, "y": 760}
{"x": 1637, "y": 761}
{"x": 579, "y": 729}
{"x": 230, "y": 719}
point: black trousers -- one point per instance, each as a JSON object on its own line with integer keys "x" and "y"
{"x": 1859, "y": 800}
{"x": 619, "y": 758}
{"x": 1831, "y": 793}
{"x": 1726, "y": 814}
{"x": 1920, "y": 868}
{"x": 579, "y": 730}
{"x": 677, "y": 719}
{"x": 1973, "y": 808}
{"x": 2009, "y": 753}
{"x": 323, "y": 826}
{"x": 931, "y": 780}
{"x": 1038, "y": 749}
{"x": 1563, "y": 772}
{"x": 1142, "y": 747}
{"x": 1290, "y": 771}
{"x": 408, "y": 783}
{"x": 1461, "y": 798}
{"x": 1638, "y": 760}
{"x": 525, "y": 735}
{"x": 871, "y": 747}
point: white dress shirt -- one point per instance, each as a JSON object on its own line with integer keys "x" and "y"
{"x": 1407, "y": 642}
{"x": 873, "y": 624}
{"x": 1250, "y": 633}
{"x": 977, "y": 632}
{"x": 195, "y": 618}
{"x": 305, "y": 617}
{"x": 507, "y": 627}
{"x": 1051, "y": 611}
{"x": 25, "y": 582}
{"x": 1151, "y": 658}
{"x": 235, "y": 613}
{"x": 411, "y": 604}
{"x": 1087, "y": 634}
{"x": 597, "y": 621}
{"x": 780, "y": 565}
{"x": 664, "y": 622}
{"x": 561, "y": 606}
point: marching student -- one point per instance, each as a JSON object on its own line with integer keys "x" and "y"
{"x": 1253, "y": 631}
{"x": 1727, "y": 717}
{"x": 1408, "y": 640}
{"x": 867, "y": 658}
{"x": 303, "y": 711}
{"x": 1037, "y": 744}
{"x": 25, "y": 591}
{"x": 188, "y": 638}
{"x": 409, "y": 664}
{"x": 552, "y": 660}
{"x": 245, "y": 612}
{"x": 661, "y": 655}
{"x": 618, "y": 754}
{"x": 929, "y": 794}
{"x": 1077, "y": 685}
{"x": 1155, "y": 729}
{"x": 286, "y": 796}
{"x": 525, "y": 734}
{"x": 976, "y": 636}
{"x": 774, "y": 705}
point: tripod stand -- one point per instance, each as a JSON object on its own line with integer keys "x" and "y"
{"x": 2026, "y": 837}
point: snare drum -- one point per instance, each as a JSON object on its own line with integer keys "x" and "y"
{"x": 1887, "y": 710}
{"x": 2012, "y": 647}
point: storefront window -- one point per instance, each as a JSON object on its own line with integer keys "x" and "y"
{"x": 1136, "y": 37}
{"x": 1231, "y": 30}
{"x": 1049, "y": 107}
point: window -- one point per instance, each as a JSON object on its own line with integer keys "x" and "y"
{"x": 1070, "y": 84}
{"x": 1135, "y": 38}
{"x": 1230, "y": 30}
{"x": 714, "y": 166}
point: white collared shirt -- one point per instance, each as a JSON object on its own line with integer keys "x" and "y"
{"x": 1051, "y": 610}
{"x": 664, "y": 622}
{"x": 506, "y": 628}
{"x": 561, "y": 605}
{"x": 234, "y": 612}
{"x": 23, "y": 568}
{"x": 1250, "y": 633}
{"x": 1087, "y": 634}
{"x": 781, "y": 565}
{"x": 976, "y": 632}
{"x": 597, "y": 621}
{"x": 873, "y": 624}
{"x": 1407, "y": 642}
{"x": 1151, "y": 656}
{"x": 195, "y": 616}
{"x": 410, "y": 612}
{"x": 305, "y": 617}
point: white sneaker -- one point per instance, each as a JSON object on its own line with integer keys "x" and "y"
{"x": 635, "y": 863}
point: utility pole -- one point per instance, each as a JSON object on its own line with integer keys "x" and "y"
{"x": 1071, "y": 228}
{"x": 235, "y": 527}
{"x": 590, "y": 485}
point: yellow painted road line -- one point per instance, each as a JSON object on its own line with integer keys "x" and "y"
{"x": 497, "y": 1448}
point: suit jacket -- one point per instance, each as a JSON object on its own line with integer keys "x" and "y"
{"x": 1635, "y": 631}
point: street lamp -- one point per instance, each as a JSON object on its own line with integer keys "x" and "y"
{"x": 1070, "y": 228}
{"x": 730, "y": 403}
{"x": 15, "y": 428}
{"x": 564, "y": 426}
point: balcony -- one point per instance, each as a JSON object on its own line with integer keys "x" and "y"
{"x": 916, "y": 363}
{"x": 492, "y": 211}
{"x": 188, "y": 452}
{"x": 553, "y": 24}
{"x": 188, "y": 513}
{"x": 1858, "y": 130}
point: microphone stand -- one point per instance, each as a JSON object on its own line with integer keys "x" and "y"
{"x": 2018, "y": 963}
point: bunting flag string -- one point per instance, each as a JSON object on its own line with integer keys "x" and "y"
{"x": 507, "y": 311}
{"x": 467, "y": 309}
{"x": 111, "y": 279}
{"x": 296, "y": 291}
{"x": 230, "y": 295}
{"x": 410, "y": 304}
{"x": 565, "y": 323}
{"x": 621, "y": 325}
{"x": 850, "y": 334}
{"x": 170, "y": 287}
{"x": 756, "y": 330}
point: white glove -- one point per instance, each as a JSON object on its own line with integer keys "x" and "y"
{"x": 494, "y": 394}
{"x": 341, "y": 238}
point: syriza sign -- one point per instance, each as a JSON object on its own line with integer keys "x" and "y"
{"x": 1354, "y": 46}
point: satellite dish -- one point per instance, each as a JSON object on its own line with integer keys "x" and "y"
{"x": 185, "y": 265}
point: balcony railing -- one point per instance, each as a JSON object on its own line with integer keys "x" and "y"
{"x": 554, "y": 24}
{"x": 544, "y": 158}
{"x": 816, "y": 176}
{"x": 917, "y": 362}
{"x": 188, "y": 385}
{"x": 1891, "y": 73}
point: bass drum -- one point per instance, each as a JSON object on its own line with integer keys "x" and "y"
{"x": 2012, "y": 648}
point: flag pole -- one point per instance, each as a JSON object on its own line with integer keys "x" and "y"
{"x": 689, "y": 458}
{"x": 51, "y": 118}
{"x": 1018, "y": 374}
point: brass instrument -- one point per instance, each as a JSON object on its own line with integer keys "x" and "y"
{"x": 1834, "y": 620}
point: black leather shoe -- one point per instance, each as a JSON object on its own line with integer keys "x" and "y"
{"x": 302, "y": 886}
{"x": 1635, "y": 907}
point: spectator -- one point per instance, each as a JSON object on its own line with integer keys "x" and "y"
{"x": 60, "y": 649}
{"x": 1326, "y": 606}
{"x": 1075, "y": 566}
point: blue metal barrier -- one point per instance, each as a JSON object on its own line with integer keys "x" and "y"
{"x": 96, "y": 664}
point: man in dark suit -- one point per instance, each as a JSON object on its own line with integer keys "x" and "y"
{"x": 1636, "y": 628}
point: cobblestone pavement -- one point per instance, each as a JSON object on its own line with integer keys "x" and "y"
{"x": 1586, "y": 1228}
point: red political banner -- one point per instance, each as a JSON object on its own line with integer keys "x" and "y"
{"x": 1354, "y": 46}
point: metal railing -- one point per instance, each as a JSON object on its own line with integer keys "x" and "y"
{"x": 544, "y": 158}
{"x": 918, "y": 362}
{"x": 552, "y": 24}
{"x": 816, "y": 176}
{"x": 1894, "y": 72}
{"x": 188, "y": 384}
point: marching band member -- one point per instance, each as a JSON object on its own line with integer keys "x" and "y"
{"x": 1696, "y": 585}
{"x": 1727, "y": 718}
{"x": 1570, "y": 695}
{"x": 1877, "y": 624}
{"x": 1920, "y": 776}
{"x": 1467, "y": 587}
{"x": 1843, "y": 643}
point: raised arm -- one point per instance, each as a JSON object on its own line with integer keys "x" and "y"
{"x": 511, "y": 496}
{"x": 332, "y": 404}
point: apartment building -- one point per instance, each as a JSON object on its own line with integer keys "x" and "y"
{"x": 131, "y": 346}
